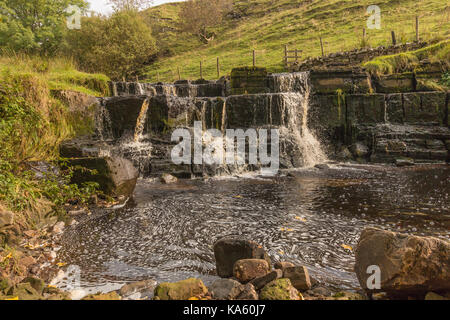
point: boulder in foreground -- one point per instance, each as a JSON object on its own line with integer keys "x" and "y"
{"x": 115, "y": 175}
{"x": 409, "y": 265}
{"x": 228, "y": 250}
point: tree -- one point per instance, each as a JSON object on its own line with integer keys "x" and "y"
{"x": 198, "y": 16}
{"x": 34, "y": 26}
{"x": 128, "y": 5}
{"x": 119, "y": 46}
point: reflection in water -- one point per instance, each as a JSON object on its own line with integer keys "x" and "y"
{"x": 305, "y": 217}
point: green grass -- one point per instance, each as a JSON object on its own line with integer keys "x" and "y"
{"x": 33, "y": 123}
{"x": 267, "y": 25}
{"x": 57, "y": 73}
{"x": 409, "y": 61}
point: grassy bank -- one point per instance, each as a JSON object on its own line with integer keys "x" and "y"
{"x": 32, "y": 125}
{"x": 266, "y": 26}
{"x": 410, "y": 61}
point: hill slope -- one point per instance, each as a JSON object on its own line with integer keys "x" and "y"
{"x": 267, "y": 25}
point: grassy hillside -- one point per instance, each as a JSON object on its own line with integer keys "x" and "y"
{"x": 267, "y": 25}
{"x": 32, "y": 125}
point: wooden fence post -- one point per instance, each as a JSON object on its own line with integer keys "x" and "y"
{"x": 179, "y": 73}
{"x": 394, "y": 40}
{"x": 218, "y": 68}
{"x": 201, "y": 70}
{"x": 321, "y": 46}
{"x": 286, "y": 55}
{"x": 417, "y": 29}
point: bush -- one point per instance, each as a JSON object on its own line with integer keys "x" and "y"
{"x": 118, "y": 46}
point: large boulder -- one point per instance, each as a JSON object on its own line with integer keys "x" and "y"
{"x": 182, "y": 290}
{"x": 115, "y": 175}
{"x": 228, "y": 250}
{"x": 409, "y": 265}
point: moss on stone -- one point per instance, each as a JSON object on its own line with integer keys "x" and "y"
{"x": 103, "y": 297}
{"x": 280, "y": 289}
{"x": 182, "y": 290}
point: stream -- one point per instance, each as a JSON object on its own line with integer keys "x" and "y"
{"x": 309, "y": 217}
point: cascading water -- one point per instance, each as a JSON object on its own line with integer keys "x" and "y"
{"x": 308, "y": 150}
{"x": 141, "y": 121}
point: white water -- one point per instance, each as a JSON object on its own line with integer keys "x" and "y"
{"x": 141, "y": 120}
{"x": 310, "y": 151}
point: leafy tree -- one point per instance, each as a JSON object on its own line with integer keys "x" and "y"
{"x": 119, "y": 5}
{"x": 34, "y": 25}
{"x": 118, "y": 46}
{"x": 198, "y": 16}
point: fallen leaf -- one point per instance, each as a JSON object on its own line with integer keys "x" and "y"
{"x": 61, "y": 264}
{"x": 193, "y": 298}
{"x": 347, "y": 247}
{"x": 301, "y": 219}
{"x": 281, "y": 252}
{"x": 14, "y": 298}
{"x": 238, "y": 197}
{"x": 301, "y": 296}
{"x": 51, "y": 286}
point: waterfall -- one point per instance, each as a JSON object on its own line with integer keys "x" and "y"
{"x": 296, "y": 107}
{"x": 141, "y": 121}
{"x": 289, "y": 82}
{"x": 140, "y": 90}
{"x": 114, "y": 89}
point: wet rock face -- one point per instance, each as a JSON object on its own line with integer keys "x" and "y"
{"x": 115, "y": 175}
{"x": 228, "y": 251}
{"x": 182, "y": 88}
{"x": 347, "y": 80}
{"x": 409, "y": 265}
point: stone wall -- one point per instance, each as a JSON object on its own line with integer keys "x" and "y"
{"x": 414, "y": 125}
{"x": 353, "y": 58}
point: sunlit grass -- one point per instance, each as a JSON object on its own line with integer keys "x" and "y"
{"x": 266, "y": 26}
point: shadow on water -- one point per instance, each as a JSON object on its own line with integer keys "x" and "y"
{"x": 306, "y": 217}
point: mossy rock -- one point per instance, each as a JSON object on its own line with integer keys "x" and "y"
{"x": 103, "y": 297}
{"x": 182, "y": 290}
{"x": 280, "y": 289}
{"x": 24, "y": 291}
{"x": 4, "y": 284}
{"x": 344, "y": 295}
{"x": 59, "y": 296}
{"x": 36, "y": 283}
